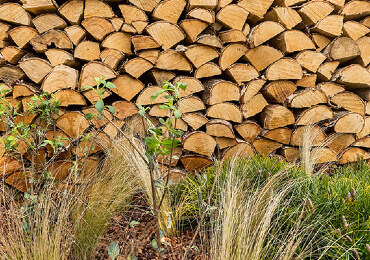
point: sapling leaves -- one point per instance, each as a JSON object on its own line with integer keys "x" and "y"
{"x": 99, "y": 105}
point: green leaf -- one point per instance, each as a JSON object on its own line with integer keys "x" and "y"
{"x": 110, "y": 85}
{"x": 151, "y": 142}
{"x": 134, "y": 223}
{"x": 89, "y": 116}
{"x": 154, "y": 244}
{"x": 163, "y": 107}
{"x": 177, "y": 113}
{"x": 161, "y": 120}
{"x": 168, "y": 143}
{"x": 111, "y": 109}
{"x": 141, "y": 112}
{"x": 99, "y": 116}
{"x": 99, "y": 106}
{"x": 113, "y": 250}
{"x": 182, "y": 85}
{"x": 85, "y": 88}
{"x": 97, "y": 79}
{"x": 156, "y": 94}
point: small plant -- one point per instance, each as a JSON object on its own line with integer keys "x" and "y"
{"x": 162, "y": 140}
{"x": 113, "y": 250}
{"x": 100, "y": 88}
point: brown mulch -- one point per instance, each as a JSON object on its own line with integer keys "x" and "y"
{"x": 137, "y": 240}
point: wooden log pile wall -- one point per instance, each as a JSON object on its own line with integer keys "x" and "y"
{"x": 260, "y": 73}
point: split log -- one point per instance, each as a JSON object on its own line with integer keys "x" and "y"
{"x": 36, "y": 69}
{"x": 274, "y": 116}
{"x": 150, "y": 55}
{"x": 326, "y": 70}
{"x": 112, "y": 57}
{"x": 97, "y": 8}
{"x": 75, "y": 33}
{"x": 70, "y": 97}
{"x": 137, "y": 66}
{"x": 119, "y": 41}
{"x": 12, "y": 54}
{"x": 253, "y": 106}
{"x": 230, "y": 54}
{"x": 169, "y": 10}
{"x": 330, "y": 26}
{"x": 124, "y": 109}
{"x": 195, "y": 162}
{"x": 61, "y": 77}
{"x": 310, "y": 60}
{"x": 15, "y": 14}
{"x": 144, "y": 96}
{"x": 127, "y": 86}
{"x": 218, "y": 91}
{"x": 281, "y": 135}
{"x": 87, "y": 51}
{"x": 72, "y": 11}
{"x": 348, "y": 122}
{"x": 97, "y": 27}
{"x": 353, "y": 76}
{"x": 232, "y": 16}
{"x": 263, "y": 56}
{"x": 142, "y": 42}
{"x": 195, "y": 120}
{"x": 364, "y": 58}
{"x": 251, "y": 89}
{"x": 287, "y": 16}
{"x": 210, "y": 40}
{"x": 285, "y": 68}
{"x": 207, "y": 70}
{"x": 291, "y": 154}
{"x": 321, "y": 41}
{"x": 165, "y": 33}
{"x": 46, "y": 22}
{"x": 39, "y": 6}
{"x": 95, "y": 69}
{"x": 330, "y": 88}
{"x": 363, "y": 142}
{"x": 339, "y": 142}
{"x": 313, "y": 11}
{"x": 173, "y": 60}
{"x": 308, "y": 136}
{"x": 192, "y": 28}
{"x": 349, "y": 101}
{"x": 226, "y": 111}
{"x": 314, "y": 115}
{"x": 223, "y": 142}
{"x": 11, "y": 74}
{"x": 199, "y": 54}
{"x": 199, "y": 142}
{"x": 278, "y": 91}
{"x": 73, "y": 124}
{"x": 232, "y": 35}
{"x": 293, "y": 41}
{"x": 307, "y": 98}
{"x": 191, "y": 104}
{"x": 240, "y": 73}
{"x": 355, "y": 30}
{"x": 249, "y": 130}
{"x": 342, "y": 49}
{"x": 202, "y": 14}
{"x": 220, "y": 128}
{"x": 19, "y": 180}
{"x": 323, "y": 155}
{"x": 159, "y": 76}
{"x": 353, "y": 154}
{"x": 243, "y": 149}
{"x": 56, "y": 38}
{"x": 265, "y": 146}
{"x": 264, "y": 32}
{"x": 355, "y": 10}
{"x": 365, "y": 130}
{"x": 22, "y": 35}
{"x": 60, "y": 57}
{"x": 257, "y": 8}
{"x": 307, "y": 81}
{"x": 193, "y": 85}
{"x": 23, "y": 90}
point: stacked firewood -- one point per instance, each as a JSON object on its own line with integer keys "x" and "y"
{"x": 263, "y": 76}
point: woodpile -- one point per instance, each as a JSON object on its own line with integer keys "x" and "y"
{"x": 263, "y": 76}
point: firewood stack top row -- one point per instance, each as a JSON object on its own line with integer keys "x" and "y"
{"x": 263, "y": 76}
